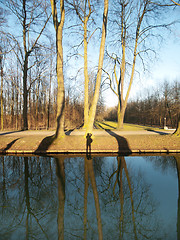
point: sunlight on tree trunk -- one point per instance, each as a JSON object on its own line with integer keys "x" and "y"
{"x": 60, "y": 77}
{"x": 92, "y": 110}
{"x": 86, "y": 77}
{"x": 2, "y": 114}
{"x": 177, "y": 132}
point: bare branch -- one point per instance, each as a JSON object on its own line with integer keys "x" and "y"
{"x": 178, "y": 4}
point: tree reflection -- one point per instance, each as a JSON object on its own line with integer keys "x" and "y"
{"x": 85, "y": 196}
{"x": 60, "y": 171}
{"x": 76, "y": 198}
{"x": 90, "y": 170}
{"x": 26, "y": 198}
{"x": 137, "y": 208}
{"x": 122, "y": 165}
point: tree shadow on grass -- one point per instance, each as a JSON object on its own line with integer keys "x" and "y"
{"x": 9, "y": 145}
{"x": 68, "y": 132}
{"x": 47, "y": 141}
{"x": 45, "y": 144}
{"x": 6, "y": 133}
{"x": 105, "y": 124}
{"x": 123, "y": 146}
{"x": 155, "y": 131}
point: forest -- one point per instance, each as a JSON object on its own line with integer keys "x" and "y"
{"x": 158, "y": 108}
{"x": 58, "y": 58}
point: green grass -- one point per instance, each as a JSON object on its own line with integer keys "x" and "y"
{"x": 127, "y": 127}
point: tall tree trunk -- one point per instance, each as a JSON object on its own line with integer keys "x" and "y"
{"x": 36, "y": 107}
{"x": 2, "y": 114}
{"x": 120, "y": 116}
{"x": 25, "y": 70}
{"x": 25, "y": 94}
{"x": 177, "y": 132}
{"x": 17, "y": 108}
{"x": 49, "y": 100}
{"x": 12, "y": 107}
{"x": 122, "y": 70}
{"x": 17, "y": 111}
{"x": 86, "y": 77}
{"x": 60, "y": 77}
{"x": 61, "y": 90}
{"x": 92, "y": 111}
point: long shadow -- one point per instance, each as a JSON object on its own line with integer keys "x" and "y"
{"x": 6, "y": 133}
{"x": 9, "y": 145}
{"x": 159, "y": 132}
{"x": 105, "y": 125}
{"x": 45, "y": 144}
{"x": 123, "y": 147}
{"x": 47, "y": 141}
{"x": 69, "y": 132}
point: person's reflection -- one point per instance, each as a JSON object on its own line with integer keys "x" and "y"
{"x": 60, "y": 171}
{"x": 89, "y": 171}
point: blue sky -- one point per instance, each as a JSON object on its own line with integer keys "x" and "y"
{"x": 165, "y": 66}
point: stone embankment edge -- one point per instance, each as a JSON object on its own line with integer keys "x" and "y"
{"x": 122, "y": 152}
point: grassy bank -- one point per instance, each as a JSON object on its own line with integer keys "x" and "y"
{"x": 136, "y": 141}
{"x": 109, "y": 125}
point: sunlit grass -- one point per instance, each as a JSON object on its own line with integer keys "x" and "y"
{"x": 126, "y": 127}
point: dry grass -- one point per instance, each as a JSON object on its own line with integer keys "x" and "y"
{"x": 107, "y": 143}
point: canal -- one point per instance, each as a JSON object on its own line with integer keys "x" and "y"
{"x": 110, "y": 197}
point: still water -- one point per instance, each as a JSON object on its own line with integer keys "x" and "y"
{"x": 99, "y": 198}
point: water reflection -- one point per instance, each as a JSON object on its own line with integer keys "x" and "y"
{"x": 86, "y": 198}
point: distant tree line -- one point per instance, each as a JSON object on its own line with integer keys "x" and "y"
{"x": 159, "y": 108}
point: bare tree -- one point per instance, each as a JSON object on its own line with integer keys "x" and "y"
{"x": 177, "y": 132}
{"x": 2, "y": 21}
{"x": 132, "y": 30}
{"x": 29, "y": 14}
{"x": 178, "y": 4}
{"x": 84, "y": 10}
{"x": 58, "y": 25}
{"x": 92, "y": 111}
